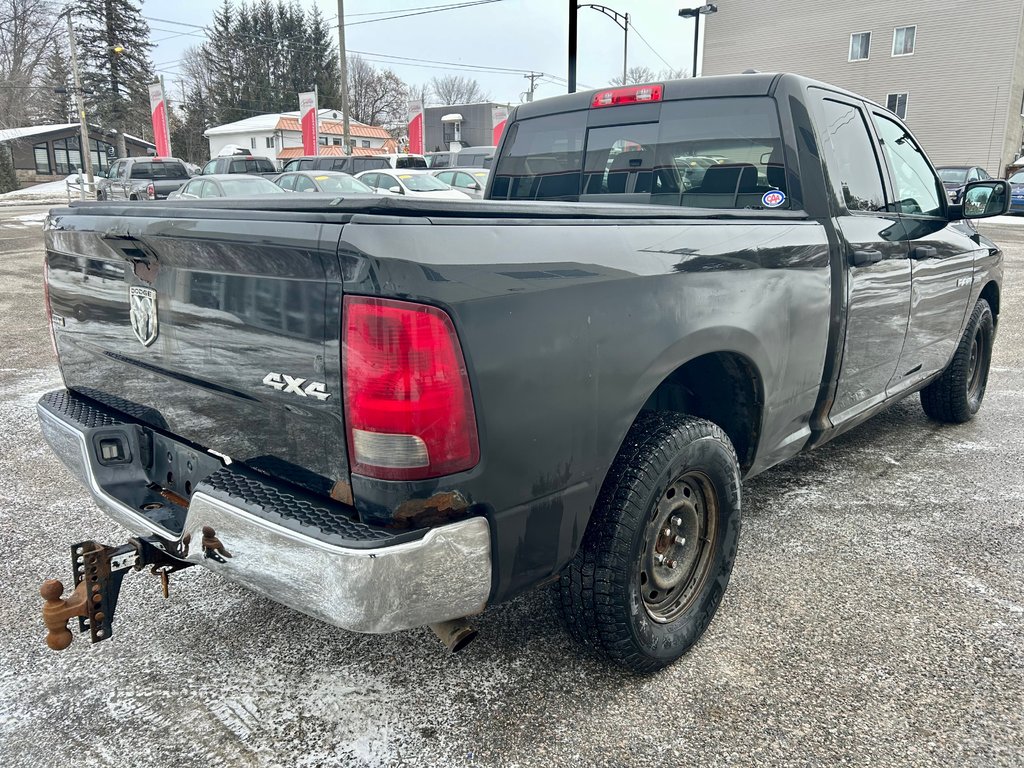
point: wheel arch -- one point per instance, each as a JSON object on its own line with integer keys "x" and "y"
{"x": 990, "y": 293}
{"x": 726, "y": 388}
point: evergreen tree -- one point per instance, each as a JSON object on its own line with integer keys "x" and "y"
{"x": 114, "y": 54}
{"x": 55, "y": 107}
{"x": 8, "y": 177}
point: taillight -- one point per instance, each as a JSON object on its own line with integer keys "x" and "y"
{"x": 408, "y": 405}
{"x": 151, "y": 192}
{"x": 634, "y": 94}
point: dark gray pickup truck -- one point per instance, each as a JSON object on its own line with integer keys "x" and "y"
{"x": 393, "y": 413}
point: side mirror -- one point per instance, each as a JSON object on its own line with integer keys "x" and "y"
{"x": 474, "y": 185}
{"x": 981, "y": 200}
{"x": 396, "y": 190}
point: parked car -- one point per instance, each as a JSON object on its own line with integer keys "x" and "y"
{"x": 225, "y": 185}
{"x": 1017, "y": 192}
{"x": 395, "y": 419}
{"x": 954, "y": 177}
{"x": 413, "y": 183}
{"x": 259, "y": 166}
{"x": 467, "y": 157}
{"x": 142, "y": 178}
{"x": 322, "y": 181}
{"x": 472, "y": 181}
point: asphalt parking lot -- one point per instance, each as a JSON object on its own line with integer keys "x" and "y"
{"x": 875, "y": 617}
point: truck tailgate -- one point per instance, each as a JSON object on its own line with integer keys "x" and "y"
{"x": 221, "y": 329}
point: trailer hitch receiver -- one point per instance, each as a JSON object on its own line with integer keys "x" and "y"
{"x": 98, "y": 573}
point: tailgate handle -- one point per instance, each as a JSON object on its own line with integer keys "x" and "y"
{"x": 144, "y": 260}
{"x": 860, "y": 258}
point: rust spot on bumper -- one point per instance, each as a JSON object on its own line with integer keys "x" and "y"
{"x": 439, "y": 508}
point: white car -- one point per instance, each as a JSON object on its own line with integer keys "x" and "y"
{"x": 411, "y": 183}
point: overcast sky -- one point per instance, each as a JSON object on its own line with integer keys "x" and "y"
{"x": 522, "y": 35}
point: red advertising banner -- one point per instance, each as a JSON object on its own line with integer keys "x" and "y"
{"x": 161, "y": 130}
{"x": 499, "y": 116}
{"x": 416, "y": 127}
{"x": 309, "y": 117}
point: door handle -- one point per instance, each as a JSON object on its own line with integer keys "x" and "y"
{"x": 923, "y": 252}
{"x": 860, "y": 258}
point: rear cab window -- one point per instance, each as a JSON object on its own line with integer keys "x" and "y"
{"x": 159, "y": 170}
{"x": 410, "y": 161}
{"x": 698, "y": 153}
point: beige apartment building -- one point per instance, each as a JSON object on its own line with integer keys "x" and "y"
{"x": 953, "y": 69}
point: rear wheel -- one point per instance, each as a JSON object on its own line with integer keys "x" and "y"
{"x": 957, "y": 394}
{"x": 658, "y": 552}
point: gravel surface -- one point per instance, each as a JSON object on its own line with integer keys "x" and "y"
{"x": 875, "y": 617}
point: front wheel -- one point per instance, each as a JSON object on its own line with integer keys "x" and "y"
{"x": 657, "y": 555}
{"x": 956, "y": 395}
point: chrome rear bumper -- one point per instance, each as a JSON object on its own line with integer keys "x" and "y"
{"x": 361, "y": 583}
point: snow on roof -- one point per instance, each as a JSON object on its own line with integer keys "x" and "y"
{"x": 7, "y": 134}
{"x": 289, "y": 121}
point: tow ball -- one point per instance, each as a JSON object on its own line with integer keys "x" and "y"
{"x": 99, "y": 571}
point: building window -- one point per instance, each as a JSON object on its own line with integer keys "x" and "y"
{"x": 42, "y": 159}
{"x": 366, "y": 144}
{"x": 252, "y": 143}
{"x": 322, "y": 141}
{"x": 897, "y": 104}
{"x": 66, "y": 156}
{"x": 903, "y": 41}
{"x": 860, "y": 46}
{"x": 336, "y": 141}
{"x": 270, "y": 142}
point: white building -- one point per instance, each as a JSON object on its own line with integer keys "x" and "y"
{"x": 279, "y": 136}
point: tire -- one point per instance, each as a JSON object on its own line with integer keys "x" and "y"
{"x": 956, "y": 396}
{"x": 633, "y": 592}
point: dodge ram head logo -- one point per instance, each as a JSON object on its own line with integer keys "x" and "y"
{"x": 282, "y": 382}
{"x": 142, "y": 311}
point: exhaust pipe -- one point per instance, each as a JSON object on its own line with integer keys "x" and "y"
{"x": 456, "y": 634}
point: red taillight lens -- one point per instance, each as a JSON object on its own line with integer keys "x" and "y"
{"x": 634, "y": 94}
{"x": 408, "y": 405}
{"x": 151, "y": 192}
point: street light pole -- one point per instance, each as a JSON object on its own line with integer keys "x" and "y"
{"x": 696, "y": 13}
{"x": 622, "y": 19}
{"x": 83, "y": 150}
{"x": 572, "y": 45}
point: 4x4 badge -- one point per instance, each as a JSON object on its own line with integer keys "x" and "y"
{"x": 142, "y": 311}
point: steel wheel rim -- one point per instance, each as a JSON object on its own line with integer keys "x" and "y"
{"x": 974, "y": 365}
{"x": 679, "y": 546}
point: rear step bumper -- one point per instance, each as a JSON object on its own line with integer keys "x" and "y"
{"x": 296, "y": 549}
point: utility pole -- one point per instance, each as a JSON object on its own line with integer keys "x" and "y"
{"x": 344, "y": 78}
{"x": 572, "y": 46}
{"x": 84, "y": 150}
{"x": 531, "y": 77}
{"x": 622, "y": 19}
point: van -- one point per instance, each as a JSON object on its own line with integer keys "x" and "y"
{"x": 354, "y": 164}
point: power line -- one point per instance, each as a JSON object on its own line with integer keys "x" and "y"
{"x": 644, "y": 39}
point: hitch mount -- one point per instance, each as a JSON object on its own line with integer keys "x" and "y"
{"x": 98, "y": 573}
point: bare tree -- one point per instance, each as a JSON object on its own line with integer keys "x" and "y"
{"x": 376, "y": 96}
{"x": 454, "y": 89}
{"x": 420, "y": 92}
{"x": 27, "y": 31}
{"x": 636, "y": 76}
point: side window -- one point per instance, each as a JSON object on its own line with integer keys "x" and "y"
{"x": 208, "y": 168}
{"x": 464, "y": 180}
{"x": 287, "y": 182}
{"x": 210, "y": 189}
{"x": 305, "y": 165}
{"x": 853, "y": 165}
{"x": 446, "y": 177}
{"x": 918, "y": 190}
{"x": 339, "y": 164}
{"x": 972, "y": 175}
{"x": 983, "y": 174}
{"x": 303, "y": 184}
{"x": 370, "y": 180}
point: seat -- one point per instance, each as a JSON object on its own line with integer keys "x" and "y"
{"x": 723, "y": 186}
{"x": 630, "y": 172}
